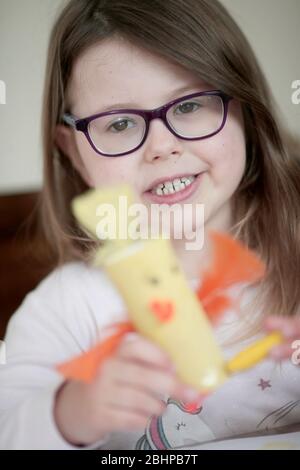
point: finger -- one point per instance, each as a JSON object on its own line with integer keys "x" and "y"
{"x": 147, "y": 377}
{"x": 154, "y": 381}
{"x": 283, "y": 351}
{"x": 136, "y": 400}
{"x": 274, "y": 322}
{"x": 141, "y": 350}
{"x": 122, "y": 419}
{"x": 289, "y": 327}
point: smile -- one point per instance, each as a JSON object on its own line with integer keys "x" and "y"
{"x": 175, "y": 190}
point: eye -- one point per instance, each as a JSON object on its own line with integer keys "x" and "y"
{"x": 122, "y": 124}
{"x": 175, "y": 268}
{"x": 153, "y": 280}
{"x": 187, "y": 107}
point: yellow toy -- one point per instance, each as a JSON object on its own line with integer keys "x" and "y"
{"x": 161, "y": 305}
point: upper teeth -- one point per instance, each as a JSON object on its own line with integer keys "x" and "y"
{"x": 170, "y": 187}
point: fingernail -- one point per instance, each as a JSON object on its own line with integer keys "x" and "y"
{"x": 191, "y": 394}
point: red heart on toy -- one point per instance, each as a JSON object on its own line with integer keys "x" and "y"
{"x": 163, "y": 310}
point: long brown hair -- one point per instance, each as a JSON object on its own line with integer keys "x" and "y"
{"x": 201, "y": 36}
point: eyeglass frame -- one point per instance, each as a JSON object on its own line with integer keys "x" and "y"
{"x": 148, "y": 115}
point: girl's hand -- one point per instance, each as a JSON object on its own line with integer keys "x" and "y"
{"x": 290, "y": 330}
{"x": 125, "y": 393}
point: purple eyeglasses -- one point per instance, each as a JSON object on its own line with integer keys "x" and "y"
{"x": 122, "y": 131}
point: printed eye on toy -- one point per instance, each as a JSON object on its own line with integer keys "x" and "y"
{"x": 175, "y": 269}
{"x": 154, "y": 281}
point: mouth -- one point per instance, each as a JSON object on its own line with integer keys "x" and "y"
{"x": 174, "y": 189}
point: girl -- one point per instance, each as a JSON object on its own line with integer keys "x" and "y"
{"x": 126, "y": 56}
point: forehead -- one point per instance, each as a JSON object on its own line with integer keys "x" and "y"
{"x": 114, "y": 71}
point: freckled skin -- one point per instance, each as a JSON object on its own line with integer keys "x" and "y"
{"x": 113, "y": 72}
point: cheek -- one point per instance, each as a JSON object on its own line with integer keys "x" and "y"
{"x": 229, "y": 159}
{"x": 225, "y": 155}
{"x": 102, "y": 170}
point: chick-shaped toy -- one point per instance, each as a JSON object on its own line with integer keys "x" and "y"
{"x": 161, "y": 305}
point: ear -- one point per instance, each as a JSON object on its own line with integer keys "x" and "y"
{"x": 65, "y": 141}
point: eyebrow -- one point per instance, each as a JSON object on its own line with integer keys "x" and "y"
{"x": 170, "y": 97}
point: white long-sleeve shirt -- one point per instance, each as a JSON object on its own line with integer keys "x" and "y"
{"x": 62, "y": 318}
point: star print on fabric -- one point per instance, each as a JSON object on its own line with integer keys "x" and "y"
{"x": 264, "y": 384}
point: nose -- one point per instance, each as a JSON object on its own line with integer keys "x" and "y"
{"x": 161, "y": 144}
